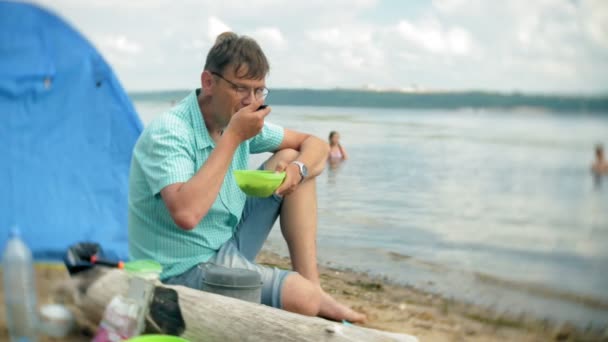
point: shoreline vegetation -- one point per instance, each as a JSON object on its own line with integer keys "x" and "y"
{"x": 389, "y": 307}
{"x": 426, "y": 100}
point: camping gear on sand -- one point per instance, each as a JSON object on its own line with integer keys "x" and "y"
{"x": 233, "y": 282}
{"x": 56, "y": 320}
{"x": 125, "y": 316}
{"x": 85, "y": 255}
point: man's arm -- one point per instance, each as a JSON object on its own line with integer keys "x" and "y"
{"x": 313, "y": 153}
{"x": 189, "y": 202}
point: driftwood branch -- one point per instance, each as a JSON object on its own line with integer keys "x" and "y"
{"x": 201, "y": 316}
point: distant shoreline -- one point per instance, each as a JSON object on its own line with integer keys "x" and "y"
{"x": 474, "y": 100}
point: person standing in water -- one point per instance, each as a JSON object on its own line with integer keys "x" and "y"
{"x": 600, "y": 165}
{"x": 336, "y": 151}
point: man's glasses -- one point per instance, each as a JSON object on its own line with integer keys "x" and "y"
{"x": 242, "y": 91}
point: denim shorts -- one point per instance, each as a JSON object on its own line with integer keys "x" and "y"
{"x": 259, "y": 215}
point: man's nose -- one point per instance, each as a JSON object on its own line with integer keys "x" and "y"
{"x": 248, "y": 98}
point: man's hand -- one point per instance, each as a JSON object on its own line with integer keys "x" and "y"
{"x": 292, "y": 178}
{"x": 248, "y": 121}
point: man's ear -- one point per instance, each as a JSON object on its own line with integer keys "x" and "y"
{"x": 207, "y": 82}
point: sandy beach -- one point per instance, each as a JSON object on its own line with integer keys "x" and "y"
{"x": 388, "y": 306}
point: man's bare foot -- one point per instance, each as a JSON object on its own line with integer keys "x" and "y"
{"x": 333, "y": 310}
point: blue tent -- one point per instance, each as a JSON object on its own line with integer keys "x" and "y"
{"x": 67, "y": 130}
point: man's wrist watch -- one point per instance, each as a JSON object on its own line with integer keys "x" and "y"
{"x": 303, "y": 169}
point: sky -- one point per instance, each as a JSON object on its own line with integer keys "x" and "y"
{"x": 537, "y": 46}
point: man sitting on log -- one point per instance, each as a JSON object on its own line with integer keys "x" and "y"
{"x": 185, "y": 208}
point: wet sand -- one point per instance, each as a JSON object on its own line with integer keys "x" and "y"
{"x": 388, "y": 306}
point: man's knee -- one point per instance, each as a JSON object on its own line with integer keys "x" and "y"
{"x": 284, "y": 156}
{"x": 301, "y": 296}
{"x": 288, "y": 153}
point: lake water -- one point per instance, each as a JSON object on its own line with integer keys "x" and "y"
{"x": 493, "y": 207}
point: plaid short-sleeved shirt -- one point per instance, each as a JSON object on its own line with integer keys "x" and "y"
{"x": 170, "y": 150}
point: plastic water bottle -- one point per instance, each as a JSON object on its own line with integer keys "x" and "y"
{"x": 19, "y": 290}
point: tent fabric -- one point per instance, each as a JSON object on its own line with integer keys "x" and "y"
{"x": 67, "y": 131}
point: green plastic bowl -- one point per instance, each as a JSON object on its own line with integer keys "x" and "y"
{"x": 258, "y": 183}
{"x": 156, "y": 338}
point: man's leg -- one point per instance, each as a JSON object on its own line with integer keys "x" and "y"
{"x": 299, "y": 227}
{"x": 299, "y": 220}
{"x": 282, "y": 289}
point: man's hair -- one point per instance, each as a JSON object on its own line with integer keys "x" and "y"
{"x": 239, "y": 52}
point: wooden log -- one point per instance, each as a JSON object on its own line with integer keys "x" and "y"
{"x": 202, "y": 316}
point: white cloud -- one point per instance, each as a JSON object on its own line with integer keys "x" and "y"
{"x": 330, "y": 36}
{"x": 595, "y": 19}
{"x": 215, "y": 27}
{"x": 541, "y": 45}
{"x": 120, "y": 44}
{"x": 347, "y": 49}
{"x": 459, "y": 41}
{"x": 430, "y": 35}
{"x": 427, "y": 37}
{"x": 453, "y": 5}
{"x": 119, "y": 50}
{"x": 194, "y": 44}
{"x": 271, "y": 36}
{"x": 342, "y": 37}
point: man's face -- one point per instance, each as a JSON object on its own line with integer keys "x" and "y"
{"x": 231, "y": 93}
